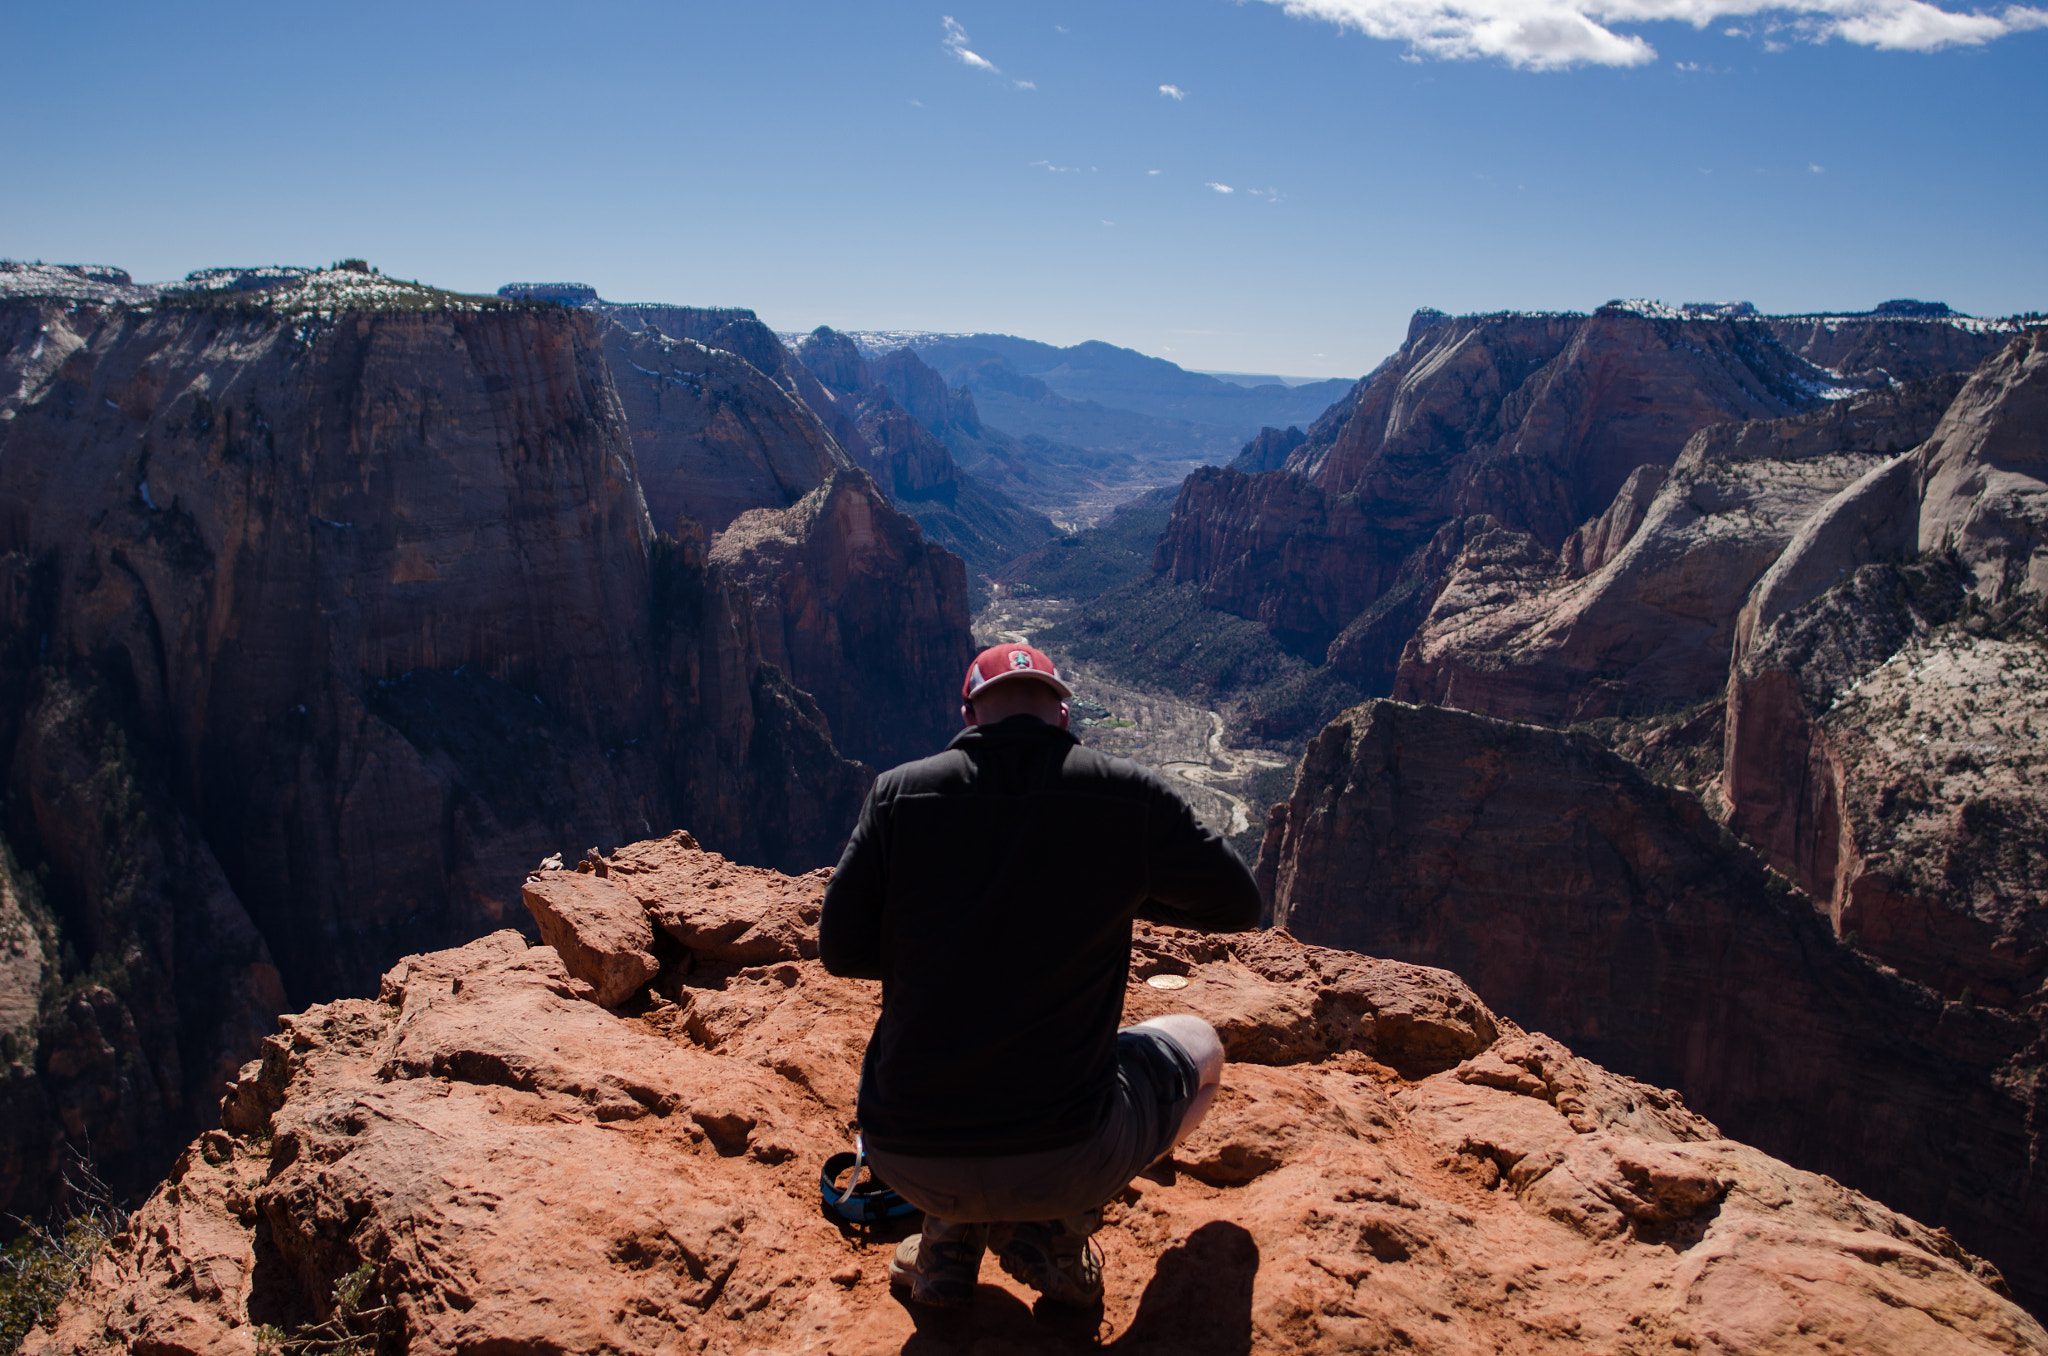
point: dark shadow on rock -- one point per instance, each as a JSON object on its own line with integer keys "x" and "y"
{"x": 1200, "y": 1298}
{"x": 1198, "y": 1303}
{"x": 998, "y": 1321}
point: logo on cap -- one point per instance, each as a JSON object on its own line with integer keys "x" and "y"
{"x": 1005, "y": 663}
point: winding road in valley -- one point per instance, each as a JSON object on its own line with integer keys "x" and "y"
{"x": 1159, "y": 729}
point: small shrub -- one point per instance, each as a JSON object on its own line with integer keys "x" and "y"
{"x": 351, "y": 1330}
{"x": 39, "y": 1268}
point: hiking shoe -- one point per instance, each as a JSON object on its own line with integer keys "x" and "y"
{"x": 1057, "y": 1258}
{"x": 939, "y": 1267}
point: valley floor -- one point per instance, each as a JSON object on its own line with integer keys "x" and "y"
{"x": 1229, "y": 788}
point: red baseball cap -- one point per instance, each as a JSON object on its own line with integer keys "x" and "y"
{"x": 1001, "y": 662}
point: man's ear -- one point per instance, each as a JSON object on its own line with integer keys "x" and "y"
{"x": 1065, "y": 715}
{"x": 967, "y": 714}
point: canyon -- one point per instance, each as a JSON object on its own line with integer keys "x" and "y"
{"x": 331, "y": 603}
{"x": 1821, "y": 634}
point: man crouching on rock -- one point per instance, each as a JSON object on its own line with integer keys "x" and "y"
{"x": 991, "y": 889}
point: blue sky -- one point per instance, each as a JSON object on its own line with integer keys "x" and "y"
{"x": 843, "y": 164}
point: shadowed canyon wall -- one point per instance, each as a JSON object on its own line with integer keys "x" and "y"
{"x": 320, "y": 625}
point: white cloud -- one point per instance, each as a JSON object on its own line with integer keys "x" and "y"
{"x": 956, "y": 43}
{"x": 1173, "y": 92}
{"x": 1554, "y": 34}
{"x": 1223, "y": 188}
{"x": 1817, "y": 169}
{"x": 1151, "y": 171}
{"x": 1025, "y": 84}
{"x": 1051, "y": 168}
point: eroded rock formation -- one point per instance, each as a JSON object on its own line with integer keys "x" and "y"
{"x": 1535, "y": 421}
{"x": 1884, "y": 746}
{"x": 326, "y": 602}
{"x": 1581, "y": 899}
{"x": 713, "y": 435}
{"x": 1389, "y": 1164}
{"x": 1637, "y": 611}
{"x": 983, "y": 525}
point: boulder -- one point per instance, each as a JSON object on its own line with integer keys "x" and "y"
{"x": 597, "y": 928}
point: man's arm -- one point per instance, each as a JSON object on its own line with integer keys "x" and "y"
{"x": 1195, "y": 879}
{"x": 850, "y": 923}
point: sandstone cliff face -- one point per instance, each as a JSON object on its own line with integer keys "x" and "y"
{"x": 1389, "y": 1164}
{"x": 851, "y": 602}
{"x": 1881, "y": 743}
{"x": 894, "y": 447}
{"x": 913, "y": 466}
{"x": 1638, "y": 612}
{"x": 713, "y": 436}
{"x": 1581, "y": 899}
{"x": 1536, "y": 421}
{"x": 1898, "y": 347}
{"x": 370, "y": 595}
{"x": 257, "y": 533}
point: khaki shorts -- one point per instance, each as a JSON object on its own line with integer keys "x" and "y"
{"x": 1156, "y": 1082}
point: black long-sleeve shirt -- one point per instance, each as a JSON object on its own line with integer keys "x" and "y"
{"x": 991, "y": 889}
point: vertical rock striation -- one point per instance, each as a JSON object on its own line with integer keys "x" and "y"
{"x": 1638, "y": 611}
{"x": 329, "y": 604}
{"x": 1537, "y": 422}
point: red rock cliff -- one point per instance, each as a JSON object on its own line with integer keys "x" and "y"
{"x": 319, "y": 619}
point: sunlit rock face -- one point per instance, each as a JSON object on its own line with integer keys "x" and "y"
{"x": 1637, "y": 612}
{"x": 1885, "y": 745}
{"x": 1535, "y": 421}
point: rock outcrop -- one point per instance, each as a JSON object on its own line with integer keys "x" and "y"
{"x": 1581, "y": 899}
{"x": 502, "y": 1164}
{"x": 326, "y": 601}
{"x": 1637, "y": 612}
{"x": 1882, "y": 743}
{"x": 850, "y": 601}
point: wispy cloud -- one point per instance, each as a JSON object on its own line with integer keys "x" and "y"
{"x": 1222, "y": 188}
{"x": 1555, "y": 34}
{"x": 1051, "y": 168}
{"x": 1025, "y": 84}
{"x": 956, "y": 43}
{"x": 1816, "y": 169}
{"x": 1173, "y": 92}
{"x": 1151, "y": 171}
